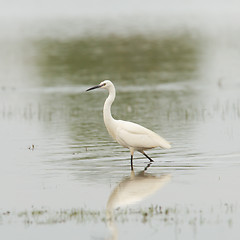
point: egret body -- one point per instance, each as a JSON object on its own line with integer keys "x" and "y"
{"x": 128, "y": 134}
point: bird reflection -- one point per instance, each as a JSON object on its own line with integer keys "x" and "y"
{"x": 130, "y": 190}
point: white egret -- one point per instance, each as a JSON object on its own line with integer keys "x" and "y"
{"x": 128, "y": 134}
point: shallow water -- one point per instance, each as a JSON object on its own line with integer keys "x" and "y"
{"x": 59, "y": 169}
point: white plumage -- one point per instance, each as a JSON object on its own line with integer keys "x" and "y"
{"x": 128, "y": 134}
{"x": 138, "y": 137}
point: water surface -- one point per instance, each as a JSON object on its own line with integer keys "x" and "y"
{"x": 60, "y": 170}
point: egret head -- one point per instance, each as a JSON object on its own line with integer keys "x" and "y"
{"x": 106, "y": 84}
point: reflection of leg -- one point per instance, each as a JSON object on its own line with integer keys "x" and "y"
{"x": 132, "y": 162}
{"x": 147, "y": 156}
{"x": 149, "y": 164}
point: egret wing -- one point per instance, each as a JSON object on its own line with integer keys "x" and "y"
{"x": 134, "y": 135}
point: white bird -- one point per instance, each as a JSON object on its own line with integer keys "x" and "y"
{"x": 128, "y": 134}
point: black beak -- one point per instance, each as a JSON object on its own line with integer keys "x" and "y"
{"x": 98, "y": 86}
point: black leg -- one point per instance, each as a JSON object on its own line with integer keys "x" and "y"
{"x": 147, "y": 156}
{"x": 132, "y": 162}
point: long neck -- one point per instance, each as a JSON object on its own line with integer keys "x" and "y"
{"x": 108, "y": 119}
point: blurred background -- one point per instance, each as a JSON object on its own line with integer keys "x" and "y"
{"x": 176, "y": 68}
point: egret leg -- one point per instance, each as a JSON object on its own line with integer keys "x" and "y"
{"x": 147, "y": 156}
{"x": 132, "y": 162}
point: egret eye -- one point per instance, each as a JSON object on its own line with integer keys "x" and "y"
{"x": 102, "y": 84}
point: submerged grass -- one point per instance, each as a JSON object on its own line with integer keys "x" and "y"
{"x": 177, "y": 215}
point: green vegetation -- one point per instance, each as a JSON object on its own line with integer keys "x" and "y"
{"x": 137, "y": 58}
